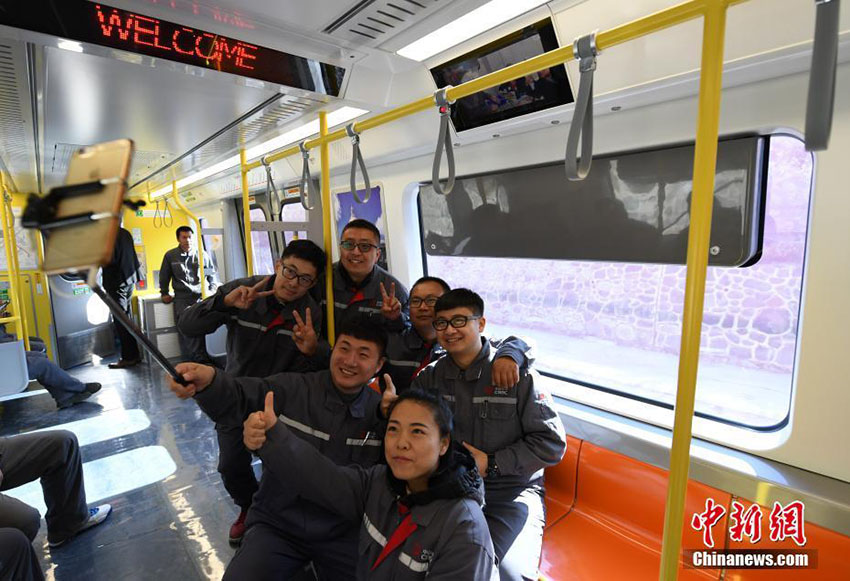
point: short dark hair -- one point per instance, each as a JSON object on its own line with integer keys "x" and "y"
{"x": 431, "y": 400}
{"x": 363, "y": 328}
{"x": 366, "y": 225}
{"x": 183, "y": 229}
{"x": 306, "y": 250}
{"x": 461, "y": 297}
{"x": 434, "y": 279}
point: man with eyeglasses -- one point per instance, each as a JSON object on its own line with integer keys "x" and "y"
{"x": 273, "y": 326}
{"x": 513, "y": 434}
{"x": 416, "y": 347}
{"x": 360, "y": 285}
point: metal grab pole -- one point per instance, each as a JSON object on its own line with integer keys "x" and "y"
{"x": 326, "y": 225}
{"x": 186, "y": 211}
{"x": 19, "y": 318}
{"x": 246, "y": 214}
{"x": 705, "y": 161}
{"x": 637, "y": 28}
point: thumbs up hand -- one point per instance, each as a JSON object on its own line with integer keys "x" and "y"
{"x": 255, "y": 427}
{"x": 389, "y": 396}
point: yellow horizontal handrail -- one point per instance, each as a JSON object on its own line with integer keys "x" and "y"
{"x": 14, "y": 319}
{"x": 617, "y": 35}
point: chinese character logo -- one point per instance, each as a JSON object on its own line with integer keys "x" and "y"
{"x": 788, "y": 523}
{"x": 745, "y": 522}
{"x": 704, "y": 521}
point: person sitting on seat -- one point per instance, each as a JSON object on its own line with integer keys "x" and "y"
{"x": 362, "y": 287}
{"x": 333, "y": 411}
{"x": 513, "y": 434}
{"x": 413, "y": 349}
{"x": 54, "y": 457}
{"x": 419, "y": 515}
{"x": 272, "y": 327}
{"x": 18, "y": 561}
{"x": 65, "y": 389}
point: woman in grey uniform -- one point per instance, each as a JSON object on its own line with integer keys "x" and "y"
{"x": 420, "y": 515}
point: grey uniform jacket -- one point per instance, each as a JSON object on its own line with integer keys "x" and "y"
{"x": 181, "y": 270}
{"x": 345, "y": 433}
{"x": 259, "y": 338}
{"x": 407, "y": 351}
{"x": 364, "y": 298}
{"x": 520, "y": 425}
{"x": 451, "y": 541}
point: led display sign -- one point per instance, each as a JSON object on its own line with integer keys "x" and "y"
{"x": 105, "y": 25}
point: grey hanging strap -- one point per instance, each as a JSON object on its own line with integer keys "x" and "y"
{"x": 270, "y": 187}
{"x": 584, "y": 49}
{"x": 444, "y": 141}
{"x": 306, "y": 181}
{"x": 357, "y": 159}
{"x": 821, "y": 99}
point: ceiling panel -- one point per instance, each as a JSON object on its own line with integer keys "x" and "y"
{"x": 89, "y": 99}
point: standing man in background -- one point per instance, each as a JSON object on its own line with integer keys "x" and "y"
{"x": 180, "y": 269}
{"x": 119, "y": 279}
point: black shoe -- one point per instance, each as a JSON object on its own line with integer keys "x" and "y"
{"x": 75, "y": 399}
{"x": 123, "y": 363}
{"x": 93, "y": 387}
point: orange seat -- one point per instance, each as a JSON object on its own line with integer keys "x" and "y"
{"x": 561, "y": 483}
{"x": 615, "y": 526}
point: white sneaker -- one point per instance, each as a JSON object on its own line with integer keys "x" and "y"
{"x": 96, "y": 516}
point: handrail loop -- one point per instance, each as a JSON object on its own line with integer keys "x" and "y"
{"x": 167, "y": 213}
{"x": 444, "y": 141}
{"x": 821, "y": 99}
{"x": 157, "y": 217}
{"x": 581, "y": 127}
{"x": 306, "y": 180}
{"x": 357, "y": 159}
{"x": 270, "y": 187}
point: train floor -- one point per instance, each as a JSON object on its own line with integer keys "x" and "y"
{"x": 153, "y": 458}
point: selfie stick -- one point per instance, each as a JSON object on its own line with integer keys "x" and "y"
{"x": 131, "y": 326}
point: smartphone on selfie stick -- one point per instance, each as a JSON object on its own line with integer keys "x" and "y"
{"x": 80, "y": 221}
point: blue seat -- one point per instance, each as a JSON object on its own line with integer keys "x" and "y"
{"x": 13, "y": 362}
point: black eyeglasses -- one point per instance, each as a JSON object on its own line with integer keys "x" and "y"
{"x": 458, "y": 321}
{"x": 364, "y": 247}
{"x": 416, "y": 302}
{"x": 303, "y": 279}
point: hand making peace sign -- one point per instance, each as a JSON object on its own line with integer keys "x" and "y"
{"x": 244, "y": 296}
{"x": 304, "y": 334}
{"x": 390, "y": 305}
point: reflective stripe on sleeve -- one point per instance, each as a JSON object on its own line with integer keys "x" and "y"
{"x": 362, "y": 442}
{"x": 304, "y": 428}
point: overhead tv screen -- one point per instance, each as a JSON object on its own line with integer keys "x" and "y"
{"x": 535, "y": 92}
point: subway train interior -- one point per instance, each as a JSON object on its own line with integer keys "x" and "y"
{"x": 701, "y": 375}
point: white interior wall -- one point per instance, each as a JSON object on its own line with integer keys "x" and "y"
{"x": 821, "y": 395}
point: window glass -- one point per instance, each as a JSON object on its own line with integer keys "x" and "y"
{"x": 293, "y": 212}
{"x": 261, "y": 245}
{"x": 617, "y": 326}
{"x": 212, "y": 244}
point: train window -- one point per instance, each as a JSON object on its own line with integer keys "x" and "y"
{"x": 211, "y": 242}
{"x": 616, "y": 326}
{"x": 293, "y": 212}
{"x": 261, "y": 245}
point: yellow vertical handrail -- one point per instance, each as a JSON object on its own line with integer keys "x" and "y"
{"x": 21, "y": 301}
{"x": 326, "y": 224}
{"x": 200, "y": 241}
{"x": 8, "y": 219}
{"x": 246, "y": 214}
{"x": 705, "y": 161}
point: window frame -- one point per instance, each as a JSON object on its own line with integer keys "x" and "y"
{"x": 630, "y": 399}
